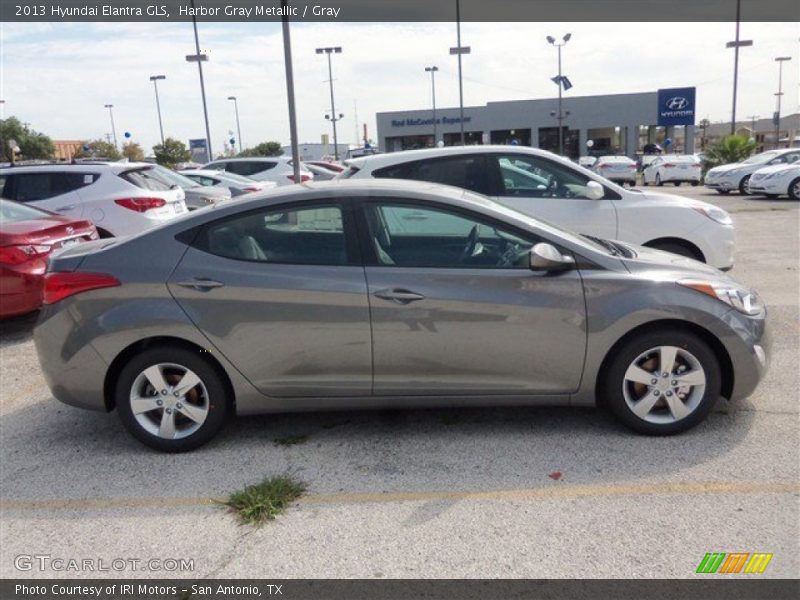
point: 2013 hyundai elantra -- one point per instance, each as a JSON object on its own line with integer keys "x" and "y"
{"x": 387, "y": 294}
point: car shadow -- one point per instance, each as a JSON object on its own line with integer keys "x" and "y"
{"x": 17, "y": 329}
{"x": 53, "y": 451}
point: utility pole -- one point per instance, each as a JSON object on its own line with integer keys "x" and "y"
{"x": 432, "y": 70}
{"x": 287, "y": 59}
{"x": 777, "y": 117}
{"x": 460, "y": 50}
{"x": 238, "y": 127}
{"x": 200, "y": 58}
{"x": 110, "y": 108}
{"x": 736, "y": 44}
{"x": 333, "y": 117}
{"x": 155, "y": 79}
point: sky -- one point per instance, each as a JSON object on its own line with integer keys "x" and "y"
{"x": 58, "y": 76}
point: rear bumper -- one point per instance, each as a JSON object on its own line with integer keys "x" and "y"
{"x": 21, "y": 287}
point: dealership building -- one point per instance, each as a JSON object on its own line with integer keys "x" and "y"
{"x": 615, "y": 123}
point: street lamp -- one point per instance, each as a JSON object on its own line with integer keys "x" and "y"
{"x": 332, "y": 117}
{"x": 200, "y": 58}
{"x": 110, "y": 108}
{"x": 238, "y": 127}
{"x": 736, "y": 44}
{"x": 563, "y": 84}
{"x": 777, "y": 118}
{"x": 432, "y": 70}
{"x": 460, "y": 50}
{"x": 155, "y": 79}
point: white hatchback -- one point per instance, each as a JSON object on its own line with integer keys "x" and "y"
{"x": 675, "y": 169}
{"x": 279, "y": 169}
{"x": 119, "y": 198}
{"x": 547, "y": 186}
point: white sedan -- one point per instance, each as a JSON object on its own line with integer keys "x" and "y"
{"x": 237, "y": 184}
{"x": 556, "y": 189}
{"x": 777, "y": 180}
{"x": 619, "y": 169}
{"x": 675, "y": 169}
{"x": 736, "y": 176}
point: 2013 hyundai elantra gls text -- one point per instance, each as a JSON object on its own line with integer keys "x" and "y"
{"x": 387, "y": 294}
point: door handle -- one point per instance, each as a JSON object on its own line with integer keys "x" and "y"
{"x": 399, "y": 296}
{"x": 201, "y": 284}
{"x": 65, "y": 208}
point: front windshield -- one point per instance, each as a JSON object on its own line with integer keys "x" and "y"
{"x": 760, "y": 158}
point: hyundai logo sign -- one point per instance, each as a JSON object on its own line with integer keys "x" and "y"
{"x": 677, "y": 103}
{"x": 676, "y": 106}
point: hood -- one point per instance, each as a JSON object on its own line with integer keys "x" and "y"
{"x": 776, "y": 169}
{"x": 649, "y": 259}
{"x": 673, "y": 200}
{"x": 726, "y": 168}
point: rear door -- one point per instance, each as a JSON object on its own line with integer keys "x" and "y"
{"x": 51, "y": 190}
{"x": 281, "y": 292}
{"x": 551, "y": 191}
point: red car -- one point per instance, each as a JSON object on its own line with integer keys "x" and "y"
{"x": 27, "y": 237}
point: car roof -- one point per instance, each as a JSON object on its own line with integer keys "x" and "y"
{"x": 80, "y": 167}
{"x": 251, "y": 159}
{"x": 386, "y": 159}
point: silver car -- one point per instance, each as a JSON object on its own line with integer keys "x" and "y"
{"x": 387, "y": 294}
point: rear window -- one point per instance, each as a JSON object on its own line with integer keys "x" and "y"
{"x": 33, "y": 186}
{"x": 147, "y": 178}
{"x": 12, "y": 213}
{"x": 249, "y": 167}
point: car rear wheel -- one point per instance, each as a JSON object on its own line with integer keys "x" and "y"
{"x": 659, "y": 183}
{"x": 171, "y": 399}
{"x": 744, "y": 186}
{"x": 663, "y": 382}
{"x": 794, "y": 189}
{"x": 676, "y": 183}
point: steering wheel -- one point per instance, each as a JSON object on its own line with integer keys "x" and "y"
{"x": 472, "y": 243}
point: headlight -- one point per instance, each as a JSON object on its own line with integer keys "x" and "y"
{"x": 715, "y": 214}
{"x": 743, "y": 300}
{"x": 771, "y": 175}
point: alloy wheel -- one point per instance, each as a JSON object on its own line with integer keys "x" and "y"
{"x": 664, "y": 384}
{"x": 169, "y": 401}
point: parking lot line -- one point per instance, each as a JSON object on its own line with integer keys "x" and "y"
{"x": 557, "y": 490}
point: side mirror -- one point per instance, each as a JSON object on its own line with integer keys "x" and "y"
{"x": 546, "y": 257}
{"x": 595, "y": 191}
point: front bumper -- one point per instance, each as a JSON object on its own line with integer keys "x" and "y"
{"x": 749, "y": 346}
{"x": 767, "y": 186}
{"x": 722, "y": 183}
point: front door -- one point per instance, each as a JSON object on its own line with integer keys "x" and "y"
{"x": 548, "y": 190}
{"x": 456, "y": 310}
{"x": 281, "y": 293}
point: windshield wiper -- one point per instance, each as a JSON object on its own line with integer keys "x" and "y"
{"x": 612, "y": 249}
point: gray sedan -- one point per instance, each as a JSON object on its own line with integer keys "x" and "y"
{"x": 387, "y": 294}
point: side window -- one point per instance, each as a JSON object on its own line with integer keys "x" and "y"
{"x": 465, "y": 171}
{"x": 531, "y": 176}
{"x": 30, "y": 187}
{"x": 249, "y": 167}
{"x": 414, "y": 235}
{"x": 303, "y": 236}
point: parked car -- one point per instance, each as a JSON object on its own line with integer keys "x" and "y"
{"x": 119, "y": 198}
{"x": 279, "y": 169}
{"x": 675, "y": 169}
{"x": 321, "y": 173}
{"x": 550, "y": 187}
{"x": 197, "y": 195}
{"x": 736, "y": 176}
{"x": 237, "y": 184}
{"x": 587, "y": 161}
{"x": 777, "y": 180}
{"x": 441, "y": 297}
{"x": 619, "y": 169}
{"x": 27, "y": 237}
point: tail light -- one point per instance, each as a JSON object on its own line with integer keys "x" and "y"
{"x": 16, "y": 255}
{"x": 141, "y": 205}
{"x": 303, "y": 178}
{"x": 58, "y": 286}
{"x": 254, "y": 189}
{"x": 668, "y": 165}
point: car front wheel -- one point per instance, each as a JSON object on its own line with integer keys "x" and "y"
{"x": 794, "y": 189}
{"x": 744, "y": 186}
{"x": 663, "y": 382}
{"x": 171, "y": 399}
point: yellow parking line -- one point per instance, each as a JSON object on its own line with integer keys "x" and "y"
{"x": 556, "y": 490}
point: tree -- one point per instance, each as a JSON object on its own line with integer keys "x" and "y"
{"x": 263, "y": 149}
{"x": 133, "y": 152}
{"x": 171, "y": 152}
{"x": 98, "y": 148}
{"x": 32, "y": 144}
{"x": 730, "y": 149}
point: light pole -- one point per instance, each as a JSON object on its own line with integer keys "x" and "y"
{"x": 155, "y": 79}
{"x": 777, "y": 118}
{"x": 200, "y": 58}
{"x": 238, "y": 127}
{"x": 432, "y": 70}
{"x": 562, "y": 83}
{"x": 110, "y": 108}
{"x": 333, "y": 118}
{"x": 287, "y": 61}
{"x": 460, "y": 50}
{"x": 736, "y": 44}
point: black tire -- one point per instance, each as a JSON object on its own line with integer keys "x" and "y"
{"x": 723, "y": 192}
{"x": 793, "y": 191}
{"x": 612, "y": 385}
{"x": 659, "y": 183}
{"x": 217, "y": 400}
{"x": 695, "y": 183}
{"x": 743, "y": 186}
{"x": 771, "y": 196}
{"x": 676, "y": 248}
{"x": 676, "y": 183}
{"x": 644, "y": 183}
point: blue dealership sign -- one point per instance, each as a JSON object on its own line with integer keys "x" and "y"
{"x": 676, "y": 106}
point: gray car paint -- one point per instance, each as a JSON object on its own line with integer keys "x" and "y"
{"x": 79, "y": 338}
